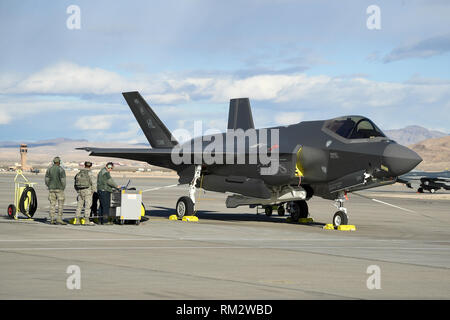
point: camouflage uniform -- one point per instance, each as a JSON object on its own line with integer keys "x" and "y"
{"x": 55, "y": 180}
{"x": 85, "y": 198}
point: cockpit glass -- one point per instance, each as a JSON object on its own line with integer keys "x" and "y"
{"x": 354, "y": 127}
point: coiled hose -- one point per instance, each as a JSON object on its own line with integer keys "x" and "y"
{"x": 32, "y": 206}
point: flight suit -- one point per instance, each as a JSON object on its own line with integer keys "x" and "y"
{"x": 55, "y": 180}
{"x": 105, "y": 186}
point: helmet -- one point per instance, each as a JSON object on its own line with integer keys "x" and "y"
{"x": 110, "y": 165}
{"x": 56, "y": 160}
{"x": 88, "y": 164}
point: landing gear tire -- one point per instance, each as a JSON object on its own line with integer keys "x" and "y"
{"x": 268, "y": 210}
{"x": 281, "y": 211}
{"x": 340, "y": 218}
{"x": 185, "y": 207}
{"x": 299, "y": 209}
{"x": 420, "y": 190}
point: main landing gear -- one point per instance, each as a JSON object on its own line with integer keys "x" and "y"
{"x": 268, "y": 210}
{"x": 186, "y": 205}
{"x": 298, "y": 209}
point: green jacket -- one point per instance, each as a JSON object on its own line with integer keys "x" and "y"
{"x": 55, "y": 178}
{"x": 105, "y": 182}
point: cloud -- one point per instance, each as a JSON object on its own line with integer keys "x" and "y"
{"x": 4, "y": 118}
{"x": 69, "y": 78}
{"x": 421, "y": 49}
{"x": 99, "y": 122}
{"x": 170, "y": 98}
{"x": 128, "y": 132}
{"x": 74, "y": 80}
{"x": 177, "y": 97}
{"x": 287, "y": 118}
{"x": 15, "y": 107}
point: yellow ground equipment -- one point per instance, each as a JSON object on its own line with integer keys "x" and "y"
{"x": 25, "y": 199}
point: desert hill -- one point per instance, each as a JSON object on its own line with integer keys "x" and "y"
{"x": 41, "y": 153}
{"x": 434, "y": 152}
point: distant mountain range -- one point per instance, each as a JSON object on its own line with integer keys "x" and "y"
{"x": 42, "y": 152}
{"x": 413, "y": 134}
{"x": 42, "y": 143}
{"x": 51, "y": 142}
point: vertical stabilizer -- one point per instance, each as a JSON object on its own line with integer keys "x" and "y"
{"x": 240, "y": 114}
{"x": 155, "y": 131}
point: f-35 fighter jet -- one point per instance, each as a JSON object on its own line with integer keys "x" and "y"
{"x": 430, "y": 181}
{"x": 282, "y": 166}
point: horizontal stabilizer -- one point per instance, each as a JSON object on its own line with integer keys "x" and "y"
{"x": 155, "y": 131}
{"x": 240, "y": 115}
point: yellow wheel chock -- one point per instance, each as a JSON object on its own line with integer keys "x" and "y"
{"x": 346, "y": 227}
{"x": 190, "y": 219}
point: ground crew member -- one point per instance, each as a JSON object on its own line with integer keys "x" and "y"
{"x": 105, "y": 186}
{"x": 55, "y": 180}
{"x": 85, "y": 184}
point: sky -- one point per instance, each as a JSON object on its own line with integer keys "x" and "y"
{"x": 62, "y": 71}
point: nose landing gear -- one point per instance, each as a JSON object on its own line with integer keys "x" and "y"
{"x": 340, "y": 217}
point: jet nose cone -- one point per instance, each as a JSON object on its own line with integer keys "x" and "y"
{"x": 400, "y": 159}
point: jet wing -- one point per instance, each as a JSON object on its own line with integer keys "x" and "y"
{"x": 157, "y": 157}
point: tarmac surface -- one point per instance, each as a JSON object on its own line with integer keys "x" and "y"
{"x": 230, "y": 253}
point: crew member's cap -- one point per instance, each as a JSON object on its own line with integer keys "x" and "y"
{"x": 109, "y": 165}
{"x": 56, "y": 160}
{"x": 88, "y": 164}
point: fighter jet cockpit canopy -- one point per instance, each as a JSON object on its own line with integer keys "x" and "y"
{"x": 353, "y": 127}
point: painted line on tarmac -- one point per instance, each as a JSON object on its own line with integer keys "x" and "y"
{"x": 394, "y": 206}
{"x": 217, "y": 239}
{"x": 67, "y": 204}
{"x": 219, "y": 247}
{"x": 158, "y": 188}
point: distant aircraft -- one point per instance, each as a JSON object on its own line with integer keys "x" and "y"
{"x": 430, "y": 181}
{"x": 326, "y": 158}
